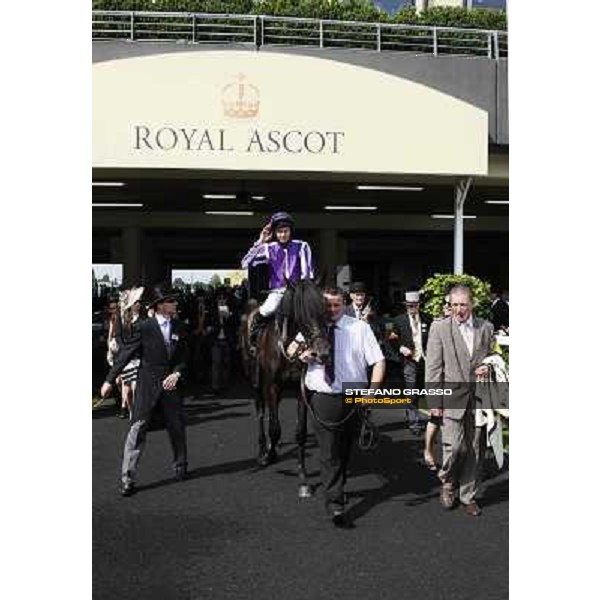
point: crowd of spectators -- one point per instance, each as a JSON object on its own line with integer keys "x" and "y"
{"x": 216, "y": 317}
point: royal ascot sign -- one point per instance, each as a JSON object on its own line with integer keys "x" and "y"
{"x": 277, "y": 112}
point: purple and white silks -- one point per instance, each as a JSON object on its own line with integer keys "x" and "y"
{"x": 291, "y": 262}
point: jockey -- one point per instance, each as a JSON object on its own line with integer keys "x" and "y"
{"x": 289, "y": 261}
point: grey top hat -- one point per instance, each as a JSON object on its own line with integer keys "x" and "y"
{"x": 160, "y": 293}
{"x": 358, "y": 287}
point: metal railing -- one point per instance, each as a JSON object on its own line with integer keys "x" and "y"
{"x": 194, "y": 28}
{"x": 201, "y": 28}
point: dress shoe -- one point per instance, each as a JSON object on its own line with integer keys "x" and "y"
{"x": 472, "y": 509}
{"x": 128, "y": 489}
{"x": 447, "y": 496}
{"x": 338, "y": 517}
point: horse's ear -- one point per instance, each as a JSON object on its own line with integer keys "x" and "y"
{"x": 323, "y": 278}
{"x": 319, "y": 280}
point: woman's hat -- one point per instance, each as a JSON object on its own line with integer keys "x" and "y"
{"x": 130, "y": 297}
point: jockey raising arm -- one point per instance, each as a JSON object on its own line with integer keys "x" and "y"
{"x": 289, "y": 260}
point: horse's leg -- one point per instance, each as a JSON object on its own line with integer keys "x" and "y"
{"x": 304, "y": 488}
{"x": 274, "y": 425}
{"x": 259, "y": 403}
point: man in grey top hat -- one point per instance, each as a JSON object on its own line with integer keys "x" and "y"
{"x": 410, "y": 330}
{"x": 456, "y": 349}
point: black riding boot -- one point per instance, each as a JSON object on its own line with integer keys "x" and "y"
{"x": 258, "y": 324}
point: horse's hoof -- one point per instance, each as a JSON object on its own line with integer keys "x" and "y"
{"x": 263, "y": 460}
{"x": 273, "y": 458}
{"x": 304, "y": 491}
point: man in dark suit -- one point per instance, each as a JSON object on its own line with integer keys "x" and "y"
{"x": 456, "y": 350}
{"x": 500, "y": 310}
{"x": 358, "y": 308}
{"x": 410, "y": 332}
{"x": 222, "y": 331}
{"x": 161, "y": 343}
{"x": 362, "y": 308}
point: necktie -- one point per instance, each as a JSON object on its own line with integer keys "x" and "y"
{"x": 416, "y": 331}
{"x": 165, "y": 332}
{"x": 330, "y": 366}
{"x": 467, "y": 332}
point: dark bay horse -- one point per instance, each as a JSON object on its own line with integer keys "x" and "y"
{"x": 302, "y": 310}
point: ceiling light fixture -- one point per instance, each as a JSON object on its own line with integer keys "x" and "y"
{"x": 350, "y": 207}
{"x": 390, "y": 188}
{"x": 230, "y": 213}
{"x": 496, "y": 201}
{"x": 219, "y": 196}
{"x": 452, "y": 216}
{"x": 116, "y": 205}
{"x": 107, "y": 184}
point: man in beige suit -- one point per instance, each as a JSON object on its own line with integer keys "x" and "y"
{"x": 456, "y": 347}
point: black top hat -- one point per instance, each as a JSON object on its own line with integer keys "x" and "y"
{"x": 358, "y": 287}
{"x": 160, "y": 293}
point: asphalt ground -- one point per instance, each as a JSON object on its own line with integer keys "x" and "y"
{"x": 233, "y": 530}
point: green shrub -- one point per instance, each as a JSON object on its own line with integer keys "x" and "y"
{"x": 437, "y": 287}
{"x": 343, "y": 10}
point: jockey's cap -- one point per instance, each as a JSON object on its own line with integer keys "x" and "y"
{"x": 282, "y": 218}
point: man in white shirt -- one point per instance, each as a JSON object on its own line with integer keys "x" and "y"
{"x": 353, "y": 349}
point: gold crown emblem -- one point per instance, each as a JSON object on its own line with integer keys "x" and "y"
{"x": 240, "y": 100}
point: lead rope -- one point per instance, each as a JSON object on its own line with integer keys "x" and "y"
{"x": 368, "y": 437}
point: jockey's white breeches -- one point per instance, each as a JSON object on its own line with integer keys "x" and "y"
{"x": 271, "y": 304}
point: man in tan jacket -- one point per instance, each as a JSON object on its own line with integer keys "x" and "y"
{"x": 456, "y": 348}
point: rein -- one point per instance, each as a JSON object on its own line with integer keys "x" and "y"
{"x": 368, "y": 437}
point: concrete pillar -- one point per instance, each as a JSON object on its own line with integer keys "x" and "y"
{"x": 154, "y": 267}
{"x": 115, "y": 250}
{"x": 461, "y": 191}
{"x": 421, "y": 5}
{"x": 132, "y": 256}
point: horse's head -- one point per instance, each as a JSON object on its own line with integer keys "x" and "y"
{"x": 311, "y": 319}
{"x": 319, "y": 346}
